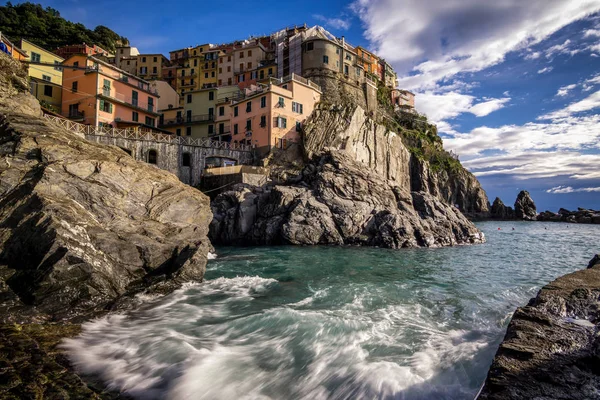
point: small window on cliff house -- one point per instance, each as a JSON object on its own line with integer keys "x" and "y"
{"x": 186, "y": 160}
{"x": 47, "y": 90}
{"x": 310, "y": 46}
{"x": 152, "y": 157}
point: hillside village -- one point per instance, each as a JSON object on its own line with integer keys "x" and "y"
{"x": 255, "y": 92}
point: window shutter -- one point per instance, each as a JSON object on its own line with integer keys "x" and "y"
{"x": 102, "y": 105}
{"x": 110, "y": 108}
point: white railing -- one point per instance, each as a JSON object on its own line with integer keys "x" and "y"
{"x": 143, "y": 134}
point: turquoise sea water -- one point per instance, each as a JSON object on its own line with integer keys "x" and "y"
{"x": 334, "y": 323}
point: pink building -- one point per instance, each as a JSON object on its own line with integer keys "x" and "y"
{"x": 98, "y": 93}
{"x": 271, "y": 115}
{"x": 403, "y": 99}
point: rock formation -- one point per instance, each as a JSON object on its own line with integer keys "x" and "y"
{"x": 525, "y": 207}
{"x": 501, "y": 211}
{"x": 336, "y": 200}
{"x": 378, "y": 145}
{"x": 82, "y": 224}
{"x": 581, "y": 216}
{"x": 551, "y": 349}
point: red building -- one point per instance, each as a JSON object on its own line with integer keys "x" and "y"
{"x": 74, "y": 49}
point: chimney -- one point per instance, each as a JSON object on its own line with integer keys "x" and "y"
{"x": 343, "y": 41}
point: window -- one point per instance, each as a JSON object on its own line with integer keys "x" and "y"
{"x": 155, "y": 59}
{"x": 134, "y": 98}
{"x": 297, "y": 107}
{"x": 235, "y": 129}
{"x": 211, "y": 113}
{"x": 310, "y": 46}
{"x": 337, "y": 50}
{"x": 182, "y": 84}
{"x": 325, "y": 59}
{"x": 74, "y": 87}
{"x": 74, "y": 110}
{"x": 248, "y": 125}
{"x": 229, "y": 81}
{"x": 143, "y": 59}
{"x": 262, "y": 74}
{"x": 76, "y": 64}
{"x": 183, "y": 72}
{"x": 211, "y": 129}
{"x": 47, "y": 78}
{"x": 346, "y": 72}
{"x": 220, "y": 61}
{"x": 178, "y": 131}
{"x": 249, "y": 53}
{"x": 221, "y": 111}
{"x": 270, "y": 71}
{"x": 281, "y": 102}
{"x": 213, "y": 64}
{"x": 220, "y": 82}
{"x": 263, "y": 121}
{"x": 35, "y": 57}
{"x": 212, "y": 74}
{"x": 348, "y": 57}
{"x": 106, "y": 106}
{"x": 57, "y": 66}
{"x": 149, "y": 121}
{"x": 152, "y": 156}
{"x": 154, "y": 70}
{"x": 48, "y": 90}
{"x": 188, "y": 131}
{"x": 241, "y": 67}
{"x": 249, "y": 107}
{"x": 249, "y": 65}
{"x": 220, "y": 70}
{"x": 228, "y": 58}
{"x": 143, "y": 70}
{"x": 263, "y": 102}
{"x": 188, "y": 115}
{"x": 357, "y": 72}
{"x": 150, "y": 104}
{"x": 241, "y": 54}
{"x": 241, "y": 78}
{"x": 189, "y": 98}
{"x": 281, "y": 122}
{"x": 235, "y": 111}
{"x": 121, "y": 51}
{"x": 211, "y": 96}
{"x": 206, "y": 74}
{"x": 186, "y": 160}
{"x": 298, "y": 126}
{"x": 229, "y": 68}
{"x": 135, "y": 117}
{"x": 195, "y": 62}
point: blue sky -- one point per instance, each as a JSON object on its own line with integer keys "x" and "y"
{"x": 513, "y": 85}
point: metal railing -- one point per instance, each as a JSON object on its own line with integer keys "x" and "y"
{"x": 132, "y": 101}
{"x": 143, "y": 134}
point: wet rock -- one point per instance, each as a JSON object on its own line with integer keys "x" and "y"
{"x": 551, "y": 349}
{"x": 525, "y": 207}
{"x": 336, "y": 200}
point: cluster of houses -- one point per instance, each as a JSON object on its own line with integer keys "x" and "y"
{"x": 257, "y": 91}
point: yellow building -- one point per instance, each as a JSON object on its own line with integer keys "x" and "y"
{"x": 45, "y": 75}
{"x": 149, "y": 66}
{"x": 209, "y": 75}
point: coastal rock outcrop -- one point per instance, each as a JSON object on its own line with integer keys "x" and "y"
{"x": 525, "y": 207}
{"x": 500, "y": 211}
{"x": 377, "y": 144}
{"x": 82, "y": 224}
{"x": 336, "y": 200}
{"x": 581, "y": 216}
{"x": 551, "y": 349}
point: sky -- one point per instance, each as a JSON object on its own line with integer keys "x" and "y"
{"x": 513, "y": 85}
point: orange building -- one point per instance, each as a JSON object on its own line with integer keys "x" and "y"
{"x": 368, "y": 60}
{"x": 13, "y": 50}
{"x": 271, "y": 115}
{"x": 98, "y": 93}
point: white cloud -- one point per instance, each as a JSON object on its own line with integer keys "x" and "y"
{"x": 533, "y": 56}
{"x": 432, "y": 41}
{"x": 589, "y": 103}
{"x": 564, "y": 48}
{"x": 442, "y": 106}
{"x": 564, "y": 91}
{"x": 335, "y": 23}
{"x": 545, "y": 70}
{"x": 569, "y": 189}
{"x": 591, "y": 33}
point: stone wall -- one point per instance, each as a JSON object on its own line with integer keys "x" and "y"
{"x": 340, "y": 89}
{"x": 170, "y": 156}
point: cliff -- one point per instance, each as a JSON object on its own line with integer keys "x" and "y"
{"x": 551, "y": 349}
{"x": 411, "y": 157}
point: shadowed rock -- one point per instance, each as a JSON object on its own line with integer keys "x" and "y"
{"x": 525, "y": 207}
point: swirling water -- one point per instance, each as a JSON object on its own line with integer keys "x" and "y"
{"x": 333, "y": 323}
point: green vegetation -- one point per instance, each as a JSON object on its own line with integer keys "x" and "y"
{"x": 46, "y": 28}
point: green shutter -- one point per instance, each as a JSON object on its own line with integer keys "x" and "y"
{"x": 110, "y": 109}
{"x": 102, "y": 105}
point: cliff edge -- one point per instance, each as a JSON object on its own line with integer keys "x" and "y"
{"x": 552, "y": 349}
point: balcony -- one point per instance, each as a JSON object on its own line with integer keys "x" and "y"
{"x": 76, "y": 115}
{"x": 129, "y": 101}
{"x": 187, "y": 119}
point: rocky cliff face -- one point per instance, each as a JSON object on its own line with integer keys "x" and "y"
{"x": 551, "y": 349}
{"x": 336, "y": 200}
{"x": 350, "y": 129}
{"x": 81, "y": 224}
{"x": 525, "y": 207}
{"x": 500, "y": 211}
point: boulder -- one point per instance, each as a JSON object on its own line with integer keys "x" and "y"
{"x": 525, "y": 207}
{"x": 551, "y": 347}
{"x": 84, "y": 225}
{"x": 501, "y": 211}
{"x": 336, "y": 200}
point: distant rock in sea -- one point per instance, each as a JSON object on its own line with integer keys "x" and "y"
{"x": 525, "y": 207}
{"x": 581, "y": 216}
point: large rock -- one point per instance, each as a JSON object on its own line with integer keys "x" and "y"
{"x": 581, "y": 216}
{"x": 347, "y": 127}
{"x": 83, "y": 224}
{"x": 551, "y": 349}
{"x": 336, "y": 200}
{"x": 525, "y": 207}
{"x": 501, "y": 211}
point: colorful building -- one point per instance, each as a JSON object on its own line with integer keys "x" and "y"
{"x": 209, "y": 68}
{"x": 225, "y": 76}
{"x": 97, "y": 93}
{"x": 150, "y": 66}
{"x": 368, "y": 60}
{"x": 125, "y": 53}
{"x": 246, "y": 59}
{"x": 167, "y": 96}
{"x": 45, "y": 75}
{"x": 272, "y": 115}
{"x": 12, "y": 50}
{"x": 403, "y": 100}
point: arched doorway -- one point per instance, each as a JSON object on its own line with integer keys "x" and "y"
{"x": 152, "y": 157}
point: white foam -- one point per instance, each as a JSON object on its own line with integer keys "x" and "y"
{"x": 211, "y": 256}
